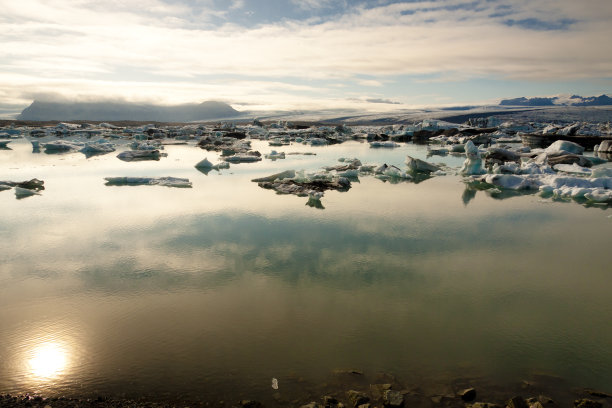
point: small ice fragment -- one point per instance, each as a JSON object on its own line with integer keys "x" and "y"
{"x": 275, "y": 383}
{"x": 273, "y": 155}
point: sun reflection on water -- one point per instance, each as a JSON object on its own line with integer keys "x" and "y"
{"x": 48, "y": 360}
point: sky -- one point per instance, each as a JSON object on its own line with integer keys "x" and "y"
{"x": 303, "y": 54}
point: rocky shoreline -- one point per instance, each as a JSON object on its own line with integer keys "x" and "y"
{"x": 352, "y": 389}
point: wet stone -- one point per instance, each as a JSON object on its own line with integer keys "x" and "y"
{"x": 357, "y": 398}
{"x": 587, "y": 403}
{"x": 482, "y": 405}
{"x": 392, "y": 398}
{"x": 517, "y": 402}
{"x": 250, "y": 404}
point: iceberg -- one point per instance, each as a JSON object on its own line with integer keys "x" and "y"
{"x": 242, "y": 158}
{"x": 564, "y": 146}
{"x": 602, "y": 172}
{"x": 420, "y": 166}
{"x": 384, "y": 144}
{"x": 473, "y": 163}
{"x": 572, "y": 168}
{"x": 136, "y": 155}
{"x": 60, "y": 146}
{"x": 148, "y": 181}
{"x": 287, "y": 174}
{"x": 97, "y": 148}
{"x": 511, "y": 181}
{"x": 274, "y": 155}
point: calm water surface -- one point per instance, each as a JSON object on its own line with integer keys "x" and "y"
{"x": 165, "y": 292}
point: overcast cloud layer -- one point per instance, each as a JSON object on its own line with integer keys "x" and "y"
{"x": 303, "y": 53}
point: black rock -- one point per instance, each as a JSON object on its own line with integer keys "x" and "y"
{"x": 516, "y": 402}
{"x": 469, "y": 394}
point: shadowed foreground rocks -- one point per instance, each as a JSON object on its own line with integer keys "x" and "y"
{"x": 353, "y": 391}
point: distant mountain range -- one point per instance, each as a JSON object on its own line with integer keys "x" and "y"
{"x": 574, "y": 100}
{"x": 115, "y": 111}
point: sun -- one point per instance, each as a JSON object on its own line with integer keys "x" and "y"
{"x": 48, "y": 360}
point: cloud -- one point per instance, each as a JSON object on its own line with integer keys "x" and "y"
{"x": 183, "y": 45}
{"x": 370, "y": 82}
{"x": 312, "y": 4}
{"x": 379, "y": 100}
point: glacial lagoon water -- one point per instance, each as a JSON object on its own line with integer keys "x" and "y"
{"x": 214, "y": 290}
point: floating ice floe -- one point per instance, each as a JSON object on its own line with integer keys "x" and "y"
{"x": 316, "y": 141}
{"x": 596, "y": 189}
{"x": 97, "y": 148}
{"x": 564, "y": 146}
{"x": 33, "y": 184}
{"x": 572, "y": 168}
{"x": 61, "y": 146}
{"x": 137, "y": 155}
{"x": 242, "y": 158}
{"x": 384, "y": 144}
{"x": 148, "y": 181}
{"x": 420, "y": 166}
{"x": 301, "y": 183}
{"x": 205, "y": 165}
{"x": 274, "y": 155}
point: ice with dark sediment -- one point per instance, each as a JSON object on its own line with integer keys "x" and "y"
{"x": 148, "y": 181}
{"x": 61, "y": 146}
{"x": 136, "y": 155}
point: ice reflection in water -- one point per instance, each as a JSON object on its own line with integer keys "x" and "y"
{"x": 226, "y": 285}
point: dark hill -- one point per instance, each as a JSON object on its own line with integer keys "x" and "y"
{"x": 114, "y": 111}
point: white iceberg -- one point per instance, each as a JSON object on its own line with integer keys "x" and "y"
{"x": 473, "y": 162}
{"x": 242, "y": 158}
{"x": 512, "y": 181}
{"x": 564, "y": 146}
